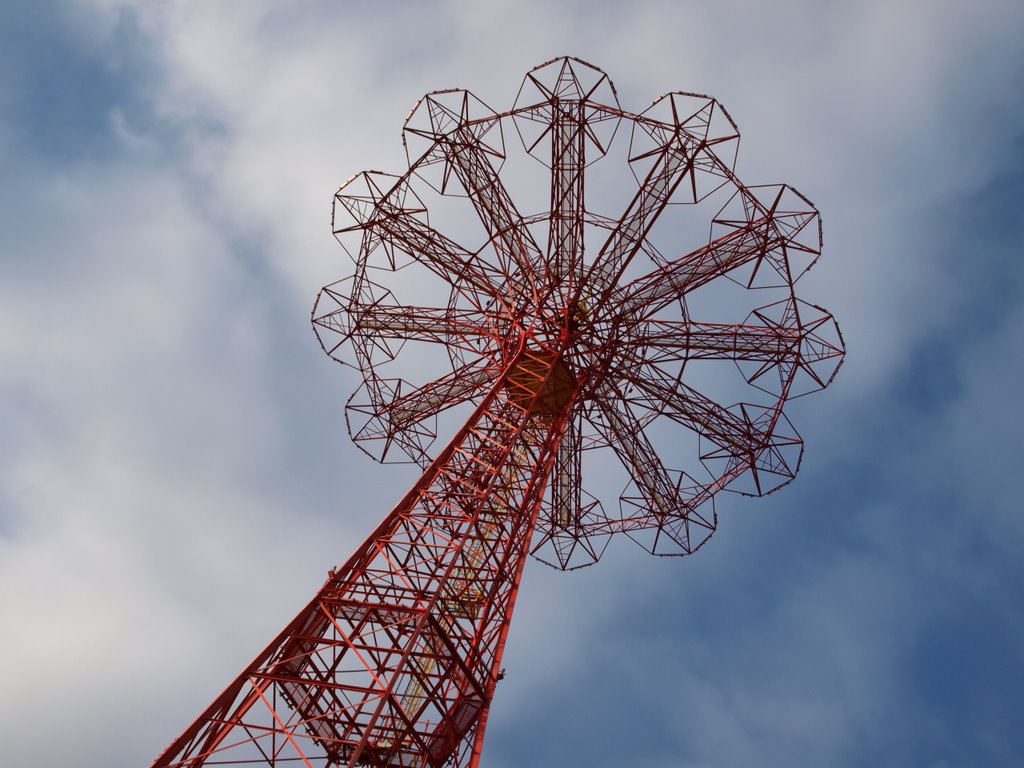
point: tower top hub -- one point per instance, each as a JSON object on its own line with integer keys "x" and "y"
{"x": 547, "y": 370}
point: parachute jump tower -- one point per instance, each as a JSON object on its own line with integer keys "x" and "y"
{"x": 576, "y": 340}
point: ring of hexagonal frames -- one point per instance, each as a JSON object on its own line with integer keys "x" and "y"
{"x": 674, "y": 282}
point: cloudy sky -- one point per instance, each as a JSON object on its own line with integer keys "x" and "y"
{"x": 175, "y": 477}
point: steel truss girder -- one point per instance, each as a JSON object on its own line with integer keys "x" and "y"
{"x": 394, "y": 661}
{"x": 558, "y": 355}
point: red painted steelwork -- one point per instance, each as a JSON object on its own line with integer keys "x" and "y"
{"x": 573, "y": 345}
{"x": 394, "y": 661}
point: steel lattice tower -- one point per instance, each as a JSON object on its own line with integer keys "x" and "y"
{"x": 567, "y": 339}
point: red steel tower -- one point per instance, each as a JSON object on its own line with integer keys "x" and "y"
{"x": 574, "y": 340}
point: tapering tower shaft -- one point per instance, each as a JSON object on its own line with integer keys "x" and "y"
{"x": 395, "y": 660}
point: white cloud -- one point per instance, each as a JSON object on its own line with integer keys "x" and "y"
{"x": 150, "y": 539}
{"x": 137, "y": 396}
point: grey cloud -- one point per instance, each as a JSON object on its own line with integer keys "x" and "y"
{"x": 170, "y": 497}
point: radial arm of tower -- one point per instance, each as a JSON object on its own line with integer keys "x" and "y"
{"x": 395, "y": 660}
